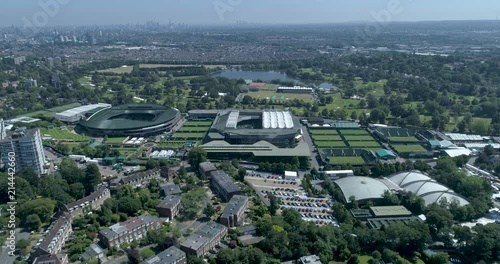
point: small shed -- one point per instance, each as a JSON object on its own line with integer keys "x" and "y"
{"x": 291, "y": 175}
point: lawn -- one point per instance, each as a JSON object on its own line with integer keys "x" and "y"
{"x": 64, "y": 135}
{"x": 326, "y": 138}
{"x": 330, "y": 144}
{"x": 271, "y": 94}
{"x": 353, "y": 132}
{"x": 115, "y": 140}
{"x": 188, "y": 135}
{"x": 193, "y": 129}
{"x": 52, "y": 111}
{"x": 409, "y": 148}
{"x": 341, "y": 160}
{"x": 197, "y": 124}
{"x": 358, "y": 138}
{"x": 119, "y": 70}
{"x": 364, "y": 144}
{"x": 172, "y": 144}
{"x": 364, "y": 259}
{"x": 323, "y": 132}
{"x": 403, "y": 139}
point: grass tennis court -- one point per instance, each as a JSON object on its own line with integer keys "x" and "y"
{"x": 197, "y": 124}
{"x": 115, "y": 140}
{"x": 364, "y": 144}
{"x": 358, "y": 138}
{"x": 353, "y": 132}
{"x": 327, "y": 144}
{"x": 193, "y": 129}
{"x": 409, "y": 148}
{"x": 172, "y": 144}
{"x": 403, "y": 139}
{"x": 64, "y": 135}
{"x": 346, "y": 160}
{"x": 188, "y": 135}
{"x": 326, "y": 138}
{"x": 323, "y": 132}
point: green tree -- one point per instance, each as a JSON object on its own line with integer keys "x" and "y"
{"x": 242, "y": 172}
{"x": 196, "y": 156}
{"x": 42, "y": 207}
{"x": 129, "y": 205}
{"x": 147, "y": 253}
{"x": 33, "y": 222}
{"x": 22, "y": 243}
{"x": 209, "y": 210}
{"x": 152, "y": 164}
{"x": 274, "y": 204}
{"x": 439, "y": 258}
{"x": 92, "y": 178}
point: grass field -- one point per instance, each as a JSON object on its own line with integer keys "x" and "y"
{"x": 172, "y": 144}
{"x": 52, "y": 111}
{"x": 188, "y": 135}
{"x": 353, "y": 132}
{"x": 346, "y": 160}
{"x": 403, "y": 139}
{"x": 64, "y": 135}
{"x": 115, "y": 140}
{"x": 124, "y": 151}
{"x": 330, "y": 144}
{"x": 326, "y": 138}
{"x": 364, "y": 144}
{"x": 323, "y": 132}
{"x": 197, "y": 124}
{"x": 409, "y": 148}
{"x": 358, "y": 138}
{"x": 119, "y": 70}
{"x": 193, "y": 129}
{"x": 269, "y": 95}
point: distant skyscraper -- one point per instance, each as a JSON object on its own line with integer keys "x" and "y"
{"x": 27, "y": 148}
{"x": 3, "y": 133}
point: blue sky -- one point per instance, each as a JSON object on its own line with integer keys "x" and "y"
{"x": 91, "y": 12}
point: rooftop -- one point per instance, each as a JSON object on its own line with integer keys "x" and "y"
{"x": 385, "y": 211}
{"x": 168, "y": 256}
{"x": 378, "y": 223}
{"x": 224, "y": 181}
{"x": 205, "y": 234}
{"x": 82, "y": 109}
{"x": 362, "y": 188}
{"x": 170, "y": 201}
{"x": 139, "y": 175}
{"x": 207, "y": 166}
{"x": 170, "y": 188}
{"x": 54, "y": 231}
{"x": 88, "y": 198}
{"x": 313, "y": 259}
{"x": 259, "y": 149}
{"x": 123, "y": 227}
{"x": 19, "y": 135}
{"x": 385, "y": 153}
{"x": 235, "y": 204}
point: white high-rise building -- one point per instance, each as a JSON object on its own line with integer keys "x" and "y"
{"x": 3, "y": 133}
{"x": 27, "y": 148}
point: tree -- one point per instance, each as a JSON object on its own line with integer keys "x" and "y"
{"x": 152, "y": 164}
{"x": 439, "y": 258}
{"x": 196, "y": 156}
{"x": 22, "y": 243}
{"x": 129, "y": 205}
{"x": 77, "y": 190}
{"x": 438, "y": 217}
{"x": 274, "y": 204}
{"x": 209, "y": 210}
{"x": 42, "y": 207}
{"x": 147, "y": 253}
{"x": 33, "y": 222}
{"x": 134, "y": 256}
{"x": 92, "y": 177}
{"x": 242, "y": 172}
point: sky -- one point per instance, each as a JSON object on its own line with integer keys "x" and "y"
{"x": 102, "y": 12}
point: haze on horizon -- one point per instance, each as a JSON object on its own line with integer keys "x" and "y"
{"x": 98, "y": 12}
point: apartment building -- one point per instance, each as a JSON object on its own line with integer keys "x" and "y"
{"x": 26, "y": 146}
{"x": 206, "y": 167}
{"x": 54, "y": 238}
{"x": 205, "y": 239}
{"x": 169, "y": 188}
{"x": 128, "y": 231}
{"x": 233, "y": 214}
{"x": 52, "y": 259}
{"x": 170, "y": 206}
{"x": 171, "y": 255}
{"x": 141, "y": 178}
{"x": 89, "y": 203}
{"x": 223, "y": 185}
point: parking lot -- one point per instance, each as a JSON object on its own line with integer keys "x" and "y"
{"x": 291, "y": 195}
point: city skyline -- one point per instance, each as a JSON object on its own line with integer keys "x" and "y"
{"x": 220, "y": 12}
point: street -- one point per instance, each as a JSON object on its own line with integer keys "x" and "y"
{"x": 308, "y": 140}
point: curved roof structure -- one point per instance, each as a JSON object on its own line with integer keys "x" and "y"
{"x": 362, "y": 188}
{"x": 425, "y": 187}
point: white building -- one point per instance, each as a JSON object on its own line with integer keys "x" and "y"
{"x": 291, "y": 175}
{"x": 336, "y": 174}
{"x": 75, "y": 114}
{"x": 27, "y": 149}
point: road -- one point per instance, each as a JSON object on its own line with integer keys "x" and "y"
{"x": 5, "y": 258}
{"x": 314, "y": 154}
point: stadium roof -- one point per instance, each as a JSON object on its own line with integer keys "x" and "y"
{"x": 425, "y": 187}
{"x": 362, "y": 188}
{"x": 259, "y": 149}
{"x": 385, "y": 153}
{"x": 296, "y": 88}
{"x": 455, "y": 152}
{"x": 464, "y": 137}
{"x": 81, "y": 109}
{"x": 481, "y": 145}
{"x": 346, "y": 125}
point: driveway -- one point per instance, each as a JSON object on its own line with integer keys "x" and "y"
{"x": 308, "y": 140}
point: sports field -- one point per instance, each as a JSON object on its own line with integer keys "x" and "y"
{"x": 193, "y": 129}
{"x": 323, "y": 132}
{"x": 330, "y": 144}
{"x": 197, "y": 124}
{"x": 363, "y": 144}
{"x": 409, "y": 148}
{"x": 117, "y": 140}
{"x": 403, "y": 139}
{"x": 172, "y": 144}
{"x": 118, "y": 70}
{"x": 268, "y": 92}
{"x": 358, "y": 138}
{"x": 326, "y": 138}
{"x": 181, "y": 136}
{"x": 346, "y": 160}
{"x": 353, "y": 132}
{"x": 64, "y": 135}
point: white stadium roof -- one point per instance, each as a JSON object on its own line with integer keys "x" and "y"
{"x": 455, "y": 152}
{"x": 277, "y": 119}
{"x": 464, "y": 137}
{"x": 362, "y": 188}
{"x": 425, "y": 187}
{"x": 81, "y": 109}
